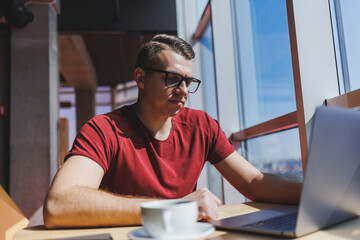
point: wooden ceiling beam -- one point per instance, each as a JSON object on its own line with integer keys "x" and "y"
{"x": 75, "y": 63}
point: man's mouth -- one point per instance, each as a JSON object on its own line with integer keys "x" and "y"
{"x": 178, "y": 101}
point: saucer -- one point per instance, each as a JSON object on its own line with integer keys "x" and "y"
{"x": 200, "y": 230}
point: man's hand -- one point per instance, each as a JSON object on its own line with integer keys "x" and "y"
{"x": 208, "y": 204}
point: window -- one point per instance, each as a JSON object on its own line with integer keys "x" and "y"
{"x": 125, "y": 94}
{"x": 346, "y": 38}
{"x": 67, "y": 98}
{"x": 264, "y": 60}
{"x": 265, "y": 84}
{"x": 273, "y": 122}
{"x": 103, "y": 102}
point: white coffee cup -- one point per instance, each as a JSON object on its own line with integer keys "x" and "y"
{"x": 168, "y": 218}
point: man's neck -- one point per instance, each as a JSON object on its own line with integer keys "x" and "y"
{"x": 159, "y": 126}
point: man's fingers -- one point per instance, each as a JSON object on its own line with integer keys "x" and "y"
{"x": 208, "y": 213}
{"x": 208, "y": 204}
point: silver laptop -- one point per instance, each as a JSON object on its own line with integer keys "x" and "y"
{"x": 331, "y": 188}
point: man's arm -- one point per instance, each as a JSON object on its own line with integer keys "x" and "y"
{"x": 255, "y": 185}
{"x": 74, "y": 199}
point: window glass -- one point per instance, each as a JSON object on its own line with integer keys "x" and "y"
{"x": 103, "y": 101}
{"x": 208, "y": 73}
{"x": 277, "y": 153}
{"x": 345, "y": 17}
{"x": 126, "y": 94}
{"x": 264, "y": 66}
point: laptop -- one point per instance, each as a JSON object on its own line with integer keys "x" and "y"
{"x": 331, "y": 187}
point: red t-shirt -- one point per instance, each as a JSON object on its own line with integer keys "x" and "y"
{"x": 137, "y": 164}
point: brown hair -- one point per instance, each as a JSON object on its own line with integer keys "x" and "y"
{"x": 148, "y": 55}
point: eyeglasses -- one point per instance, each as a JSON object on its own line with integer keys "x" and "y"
{"x": 174, "y": 80}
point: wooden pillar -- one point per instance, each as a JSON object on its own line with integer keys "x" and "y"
{"x": 4, "y": 108}
{"x": 34, "y": 111}
{"x": 64, "y": 139}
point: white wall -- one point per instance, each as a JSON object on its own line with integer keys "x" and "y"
{"x": 316, "y": 53}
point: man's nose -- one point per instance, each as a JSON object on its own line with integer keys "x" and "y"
{"x": 183, "y": 89}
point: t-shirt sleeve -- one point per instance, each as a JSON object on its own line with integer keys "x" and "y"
{"x": 220, "y": 147}
{"x": 95, "y": 141}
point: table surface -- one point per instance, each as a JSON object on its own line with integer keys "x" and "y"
{"x": 347, "y": 230}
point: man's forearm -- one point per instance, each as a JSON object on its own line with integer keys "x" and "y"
{"x": 271, "y": 188}
{"x": 85, "y": 207}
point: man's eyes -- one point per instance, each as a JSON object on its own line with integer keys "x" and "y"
{"x": 174, "y": 78}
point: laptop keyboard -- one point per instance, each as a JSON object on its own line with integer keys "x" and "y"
{"x": 282, "y": 223}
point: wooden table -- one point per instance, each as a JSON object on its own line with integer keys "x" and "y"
{"x": 346, "y": 230}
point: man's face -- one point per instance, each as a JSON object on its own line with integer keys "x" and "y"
{"x": 163, "y": 100}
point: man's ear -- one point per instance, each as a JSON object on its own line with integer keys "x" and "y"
{"x": 139, "y": 76}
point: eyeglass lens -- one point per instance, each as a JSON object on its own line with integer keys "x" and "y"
{"x": 174, "y": 80}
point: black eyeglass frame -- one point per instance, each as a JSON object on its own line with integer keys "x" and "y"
{"x": 195, "y": 80}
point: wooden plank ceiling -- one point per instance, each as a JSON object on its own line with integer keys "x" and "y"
{"x": 98, "y": 59}
{"x": 99, "y": 40}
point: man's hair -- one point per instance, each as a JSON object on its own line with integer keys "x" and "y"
{"x": 148, "y": 55}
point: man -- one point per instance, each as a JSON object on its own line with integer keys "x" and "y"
{"x": 154, "y": 149}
